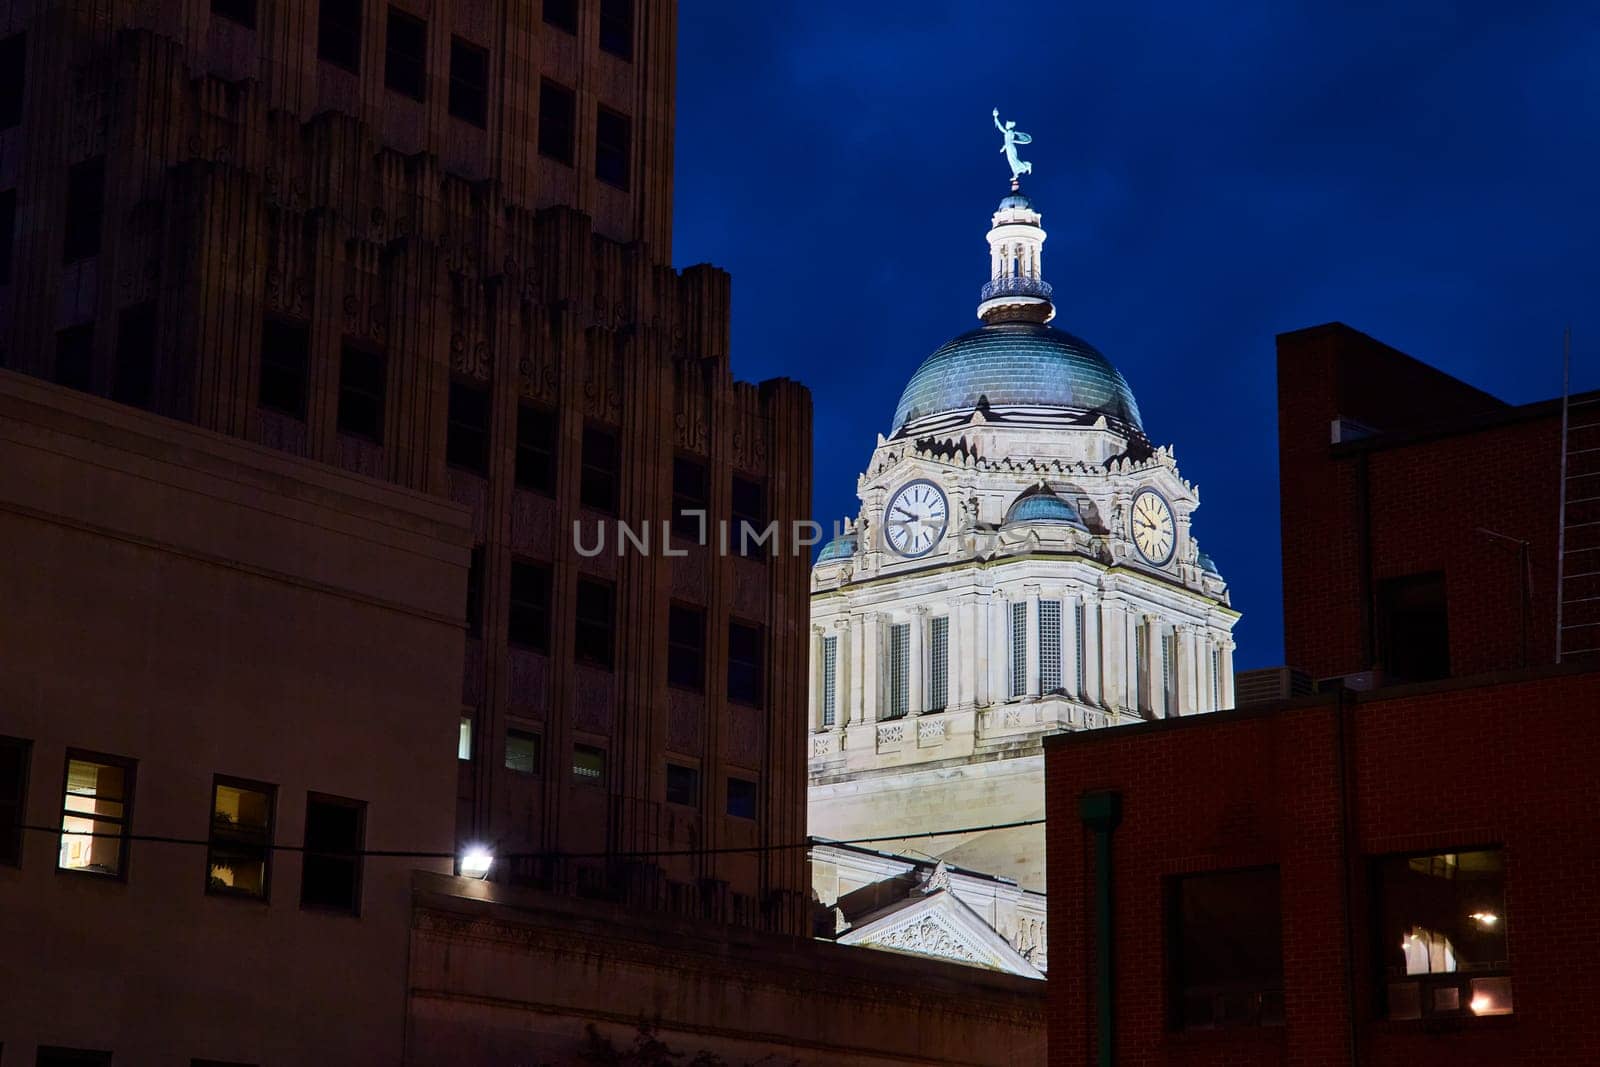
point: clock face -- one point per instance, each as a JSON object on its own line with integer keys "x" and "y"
{"x": 1154, "y": 533}
{"x": 916, "y": 519}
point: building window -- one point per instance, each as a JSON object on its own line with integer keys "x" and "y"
{"x": 330, "y": 877}
{"x": 598, "y": 484}
{"x": 464, "y": 739}
{"x": 616, "y": 27}
{"x": 475, "y": 593}
{"x": 339, "y": 33}
{"x": 1049, "y": 646}
{"x": 529, "y": 622}
{"x": 748, "y": 504}
{"x": 589, "y": 764}
{"x": 241, "y": 11}
{"x": 75, "y": 357}
{"x": 596, "y": 622}
{"x": 1019, "y": 649}
{"x": 557, "y": 121}
{"x": 134, "y": 377}
{"x": 741, "y": 798}
{"x": 284, "y": 349}
{"x": 405, "y": 60}
{"x": 469, "y": 82}
{"x": 746, "y": 665}
{"x": 562, "y": 14}
{"x": 1225, "y": 946}
{"x": 363, "y": 383}
{"x": 691, "y": 499}
{"x": 524, "y": 751}
{"x": 8, "y": 231}
{"x": 1442, "y": 934}
{"x": 14, "y": 753}
{"x": 830, "y": 680}
{"x": 95, "y": 814}
{"x": 683, "y": 785}
{"x": 1414, "y": 628}
{"x": 467, "y": 436}
{"x": 1169, "y": 687}
{"x": 86, "y": 207}
{"x": 1141, "y": 666}
{"x": 613, "y": 147}
{"x": 536, "y": 449}
{"x": 1216, "y": 679}
{"x": 53, "y": 1056}
{"x": 686, "y": 647}
{"x": 938, "y": 663}
{"x": 13, "y": 78}
{"x": 240, "y": 854}
{"x": 1081, "y": 646}
{"x": 899, "y": 670}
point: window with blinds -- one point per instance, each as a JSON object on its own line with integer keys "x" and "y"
{"x": 1019, "y": 649}
{"x": 899, "y": 670}
{"x": 1049, "y": 645}
{"x": 830, "y": 674}
{"x": 939, "y": 664}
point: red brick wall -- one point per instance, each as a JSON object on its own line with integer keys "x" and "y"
{"x": 1508, "y": 763}
{"x": 1427, "y": 501}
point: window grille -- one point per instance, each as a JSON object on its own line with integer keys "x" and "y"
{"x": 1079, "y": 646}
{"x": 939, "y": 664}
{"x": 899, "y": 670}
{"x": 1019, "y": 649}
{"x": 830, "y": 670}
{"x": 1049, "y": 645}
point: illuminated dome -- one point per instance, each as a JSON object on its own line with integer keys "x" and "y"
{"x": 1041, "y": 505}
{"x": 1028, "y": 367}
{"x": 841, "y": 547}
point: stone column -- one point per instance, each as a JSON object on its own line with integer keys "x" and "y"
{"x": 966, "y": 638}
{"x": 1117, "y": 680}
{"x": 999, "y": 648}
{"x": 1031, "y": 628}
{"x": 1227, "y": 673}
{"x": 819, "y": 679}
{"x": 1092, "y": 693}
{"x": 871, "y": 646}
{"x": 1204, "y": 685}
{"x": 1148, "y": 633}
{"x": 917, "y": 662}
{"x": 1187, "y": 700}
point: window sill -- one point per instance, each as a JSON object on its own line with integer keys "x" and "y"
{"x": 117, "y": 877}
{"x": 1445, "y": 1025}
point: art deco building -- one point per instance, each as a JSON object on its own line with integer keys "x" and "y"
{"x": 1023, "y": 564}
{"x": 373, "y": 301}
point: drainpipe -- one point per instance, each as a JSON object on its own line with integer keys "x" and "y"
{"x": 1100, "y": 812}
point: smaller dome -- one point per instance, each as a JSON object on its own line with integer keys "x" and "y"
{"x": 841, "y": 547}
{"x": 1016, "y": 200}
{"x": 1207, "y": 564}
{"x": 1041, "y": 505}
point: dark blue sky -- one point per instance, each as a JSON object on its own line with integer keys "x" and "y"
{"x": 1207, "y": 180}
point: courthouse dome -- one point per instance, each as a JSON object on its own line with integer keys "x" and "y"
{"x": 1041, "y": 505}
{"x": 1026, "y": 365}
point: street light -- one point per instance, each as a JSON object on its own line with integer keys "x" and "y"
{"x": 476, "y": 861}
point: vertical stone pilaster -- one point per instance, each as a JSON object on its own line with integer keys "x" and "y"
{"x": 917, "y": 669}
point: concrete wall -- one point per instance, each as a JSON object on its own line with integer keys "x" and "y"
{"x": 1496, "y": 761}
{"x": 205, "y": 606}
{"x": 500, "y": 975}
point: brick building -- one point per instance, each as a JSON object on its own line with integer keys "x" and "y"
{"x": 1381, "y": 872}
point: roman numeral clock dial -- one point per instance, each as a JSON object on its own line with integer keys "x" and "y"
{"x": 916, "y": 519}
{"x": 1154, "y": 532}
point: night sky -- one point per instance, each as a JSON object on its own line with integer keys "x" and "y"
{"x": 1428, "y": 177}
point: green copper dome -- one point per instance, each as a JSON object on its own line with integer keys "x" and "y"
{"x": 1041, "y": 505}
{"x": 1025, "y": 365}
{"x": 841, "y": 547}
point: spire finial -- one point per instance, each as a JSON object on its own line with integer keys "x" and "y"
{"x": 1013, "y": 138}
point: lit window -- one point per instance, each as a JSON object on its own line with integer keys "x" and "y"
{"x": 1442, "y": 934}
{"x": 95, "y": 815}
{"x": 683, "y": 785}
{"x": 899, "y": 670}
{"x": 1225, "y": 945}
{"x": 1049, "y": 645}
{"x": 14, "y": 754}
{"x": 330, "y": 875}
{"x": 464, "y": 740}
{"x": 741, "y": 798}
{"x": 589, "y": 764}
{"x": 1019, "y": 649}
{"x": 830, "y": 674}
{"x": 524, "y": 751}
{"x": 239, "y": 857}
